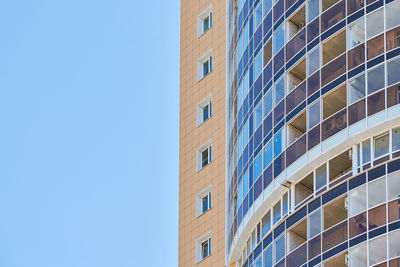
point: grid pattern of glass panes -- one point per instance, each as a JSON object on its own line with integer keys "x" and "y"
{"x": 299, "y": 73}
{"x": 366, "y": 210}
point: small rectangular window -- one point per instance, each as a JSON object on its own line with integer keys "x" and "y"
{"x": 204, "y": 155}
{"x": 203, "y": 200}
{"x": 205, "y": 249}
{"x": 204, "y": 21}
{"x": 381, "y": 145}
{"x": 204, "y": 65}
{"x": 277, "y": 212}
{"x": 205, "y": 203}
{"x": 366, "y": 151}
{"x": 396, "y": 139}
{"x": 266, "y": 223}
{"x": 204, "y": 110}
{"x": 204, "y": 158}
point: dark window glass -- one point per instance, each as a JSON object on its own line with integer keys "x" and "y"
{"x": 334, "y": 236}
{"x": 206, "y": 24}
{"x": 267, "y": 52}
{"x": 289, "y": 3}
{"x": 296, "y": 150}
{"x": 358, "y": 224}
{"x": 204, "y": 158}
{"x": 333, "y": 15}
{"x": 313, "y": 83}
{"x": 267, "y": 125}
{"x": 205, "y": 203}
{"x": 296, "y": 44}
{"x": 205, "y": 68}
{"x": 393, "y": 39}
{"x": 354, "y": 5}
{"x": 376, "y": 102}
{"x": 296, "y": 97}
{"x": 393, "y": 95}
{"x": 394, "y": 210}
{"x": 297, "y": 257}
{"x": 204, "y": 249}
{"x": 313, "y": 30}
{"x": 356, "y": 56}
{"x": 279, "y": 164}
{"x": 279, "y": 112}
{"x": 314, "y": 247}
{"x": 206, "y": 113}
{"x": 334, "y": 124}
{"x": 357, "y": 112}
{"x": 267, "y": 24}
{"x": 333, "y": 70}
{"x": 278, "y": 10}
{"x": 377, "y": 217}
{"x": 313, "y": 137}
{"x": 267, "y": 73}
{"x": 279, "y": 60}
{"x": 375, "y": 46}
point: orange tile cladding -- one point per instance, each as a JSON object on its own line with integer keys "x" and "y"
{"x": 192, "y": 136}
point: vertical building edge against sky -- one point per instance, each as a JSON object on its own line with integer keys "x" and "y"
{"x": 296, "y": 115}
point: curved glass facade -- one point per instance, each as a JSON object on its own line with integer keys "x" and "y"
{"x": 313, "y": 105}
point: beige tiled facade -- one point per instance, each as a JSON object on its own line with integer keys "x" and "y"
{"x": 192, "y": 136}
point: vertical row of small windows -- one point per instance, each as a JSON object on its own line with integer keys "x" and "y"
{"x": 204, "y": 111}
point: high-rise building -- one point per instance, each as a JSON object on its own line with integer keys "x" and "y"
{"x": 312, "y": 134}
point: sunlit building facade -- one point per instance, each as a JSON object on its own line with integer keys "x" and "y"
{"x": 202, "y": 133}
{"x": 313, "y": 133}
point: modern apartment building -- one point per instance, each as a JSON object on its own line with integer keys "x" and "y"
{"x": 312, "y": 137}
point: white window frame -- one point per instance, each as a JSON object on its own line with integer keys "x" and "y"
{"x": 199, "y": 200}
{"x": 207, "y": 145}
{"x": 207, "y": 13}
{"x": 203, "y": 59}
{"x": 200, "y": 108}
{"x": 199, "y": 242}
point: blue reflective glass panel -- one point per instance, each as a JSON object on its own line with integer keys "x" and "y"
{"x": 267, "y": 154}
{"x": 258, "y": 166}
{"x": 279, "y": 39}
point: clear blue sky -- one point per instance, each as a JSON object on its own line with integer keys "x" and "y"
{"x": 89, "y": 94}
